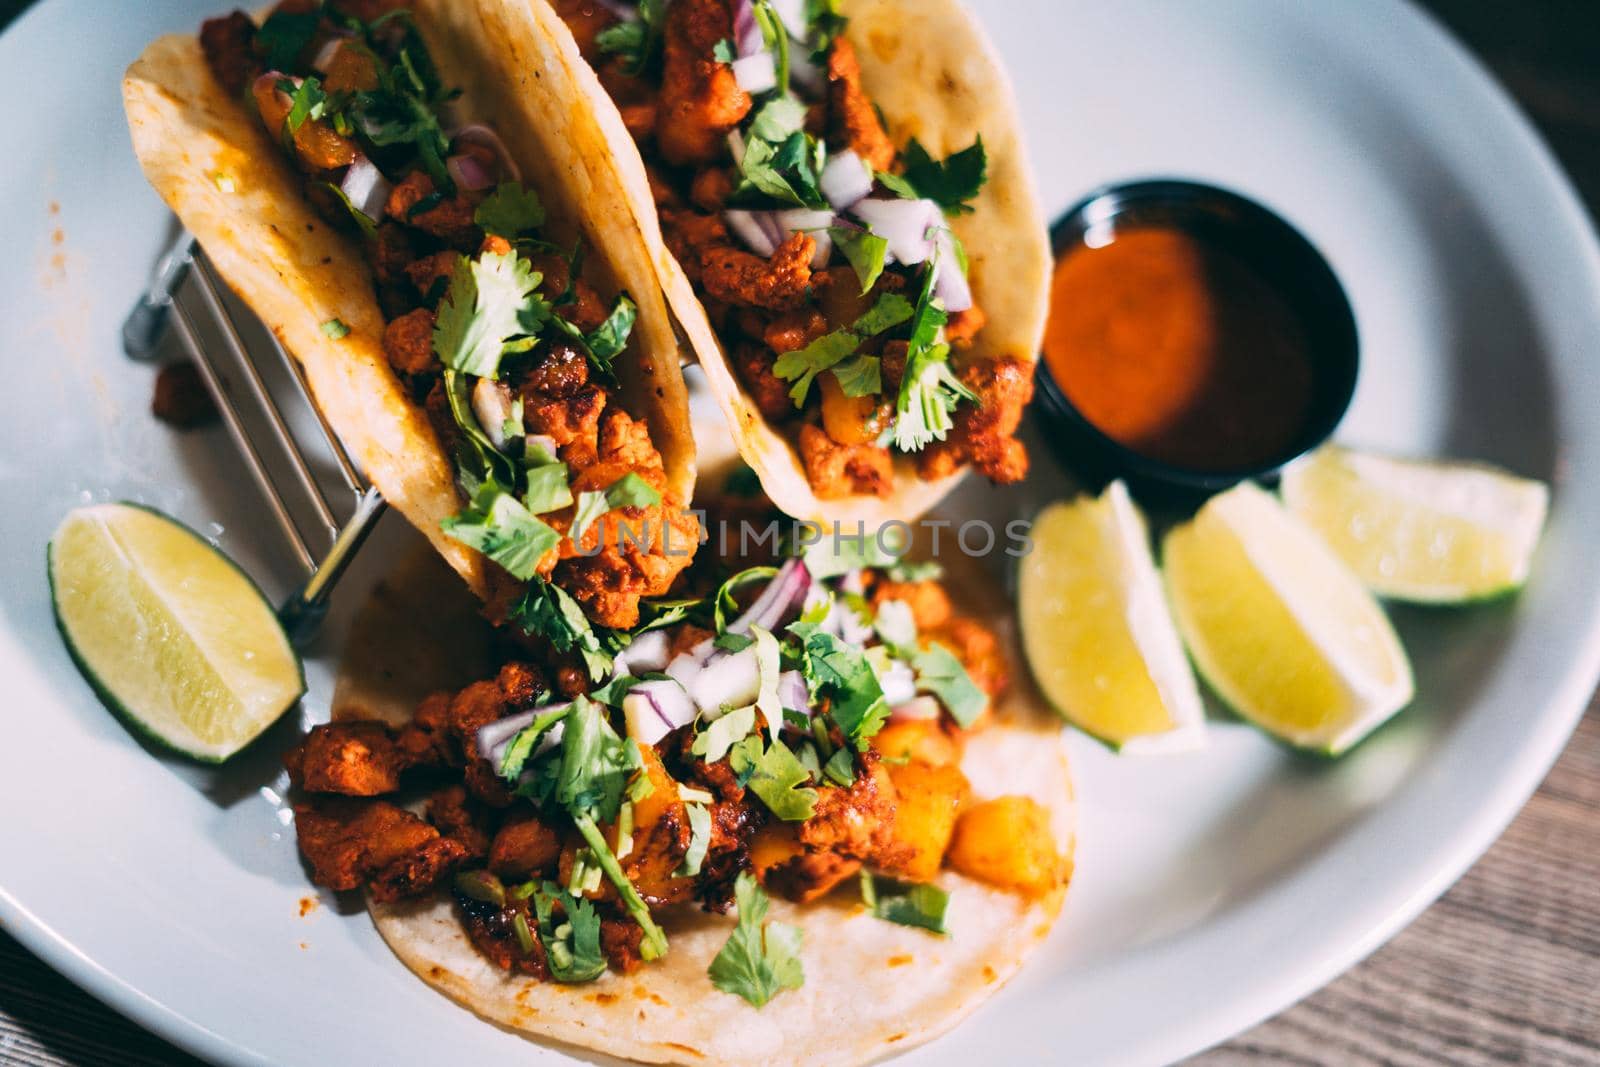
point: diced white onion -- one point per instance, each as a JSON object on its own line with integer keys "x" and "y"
{"x": 757, "y": 73}
{"x": 539, "y": 449}
{"x": 748, "y": 227}
{"x": 792, "y": 13}
{"x": 904, "y": 224}
{"x": 652, "y": 710}
{"x": 644, "y": 654}
{"x": 950, "y": 285}
{"x": 736, "y": 146}
{"x": 366, "y": 187}
{"x": 823, "y": 251}
{"x": 491, "y": 403}
{"x": 923, "y": 707}
{"x": 846, "y": 180}
{"x": 492, "y": 739}
{"x": 899, "y": 683}
{"x": 804, "y": 218}
{"x": 728, "y": 680}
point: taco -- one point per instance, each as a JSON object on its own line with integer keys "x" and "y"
{"x": 406, "y": 197}
{"x": 818, "y": 819}
{"x": 844, "y": 222}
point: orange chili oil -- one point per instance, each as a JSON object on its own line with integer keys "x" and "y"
{"x": 1179, "y": 350}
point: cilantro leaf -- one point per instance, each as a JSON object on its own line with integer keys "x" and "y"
{"x": 940, "y": 673}
{"x": 841, "y": 768}
{"x": 922, "y": 906}
{"x": 498, "y": 525}
{"x": 929, "y": 391}
{"x": 724, "y": 51}
{"x": 549, "y": 611}
{"x": 654, "y": 945}
{"x": 916, "y": 570}
{"x": 629, "y": 491}
{"x": 776, "y": 776}
{"x": 285, "y": 35}
{"x": 596, "y": 763}
{"x": 591, "y": 507}
{"x": 713, "y": 743}
{"x": 522, "y": 746}
{"x": 865, "y": 250}
{"x": 547, "y": 488}
{"x": 639, "y": 42}
{"x": 335, "y": 330}
{"x": 571, "y": 947}
{"x": 761, "y": 958}
{"x": 699, "y": 840}
{"x": 898, "y": 186}
{"x": 860, "y": 375}
{"x": 833, "y": 556}
{"x": 511, "y": 210}
{"x": 951, "y": 183}
{"x": 490, "y": 300}
{"x": 769, "y": 663}
{"x": 858, "y": 705}
{"x": 607, "y": 340}
{"x": 308, "y": 102}
{"x": 802, "y": 365}
{"x": 781, "y": 161}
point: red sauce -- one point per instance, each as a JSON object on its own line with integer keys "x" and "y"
{"x": 1178, "y": 350}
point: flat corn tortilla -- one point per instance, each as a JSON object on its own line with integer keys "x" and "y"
{"x": 212, "y": 161}
{"x": 871, "y": 988}
{"x": 935, "y": 76}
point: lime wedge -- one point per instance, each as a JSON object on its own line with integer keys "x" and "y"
{"x": 1096, "y": 628}
{"x": 1280, "y": 627}
{"x": 1435, "y": 533}
{"x": 175, "y": 638}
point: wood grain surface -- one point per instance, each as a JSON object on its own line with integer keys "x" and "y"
{"x": 1505, "y": 968}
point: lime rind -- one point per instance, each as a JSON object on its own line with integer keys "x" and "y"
{"x": 173, "y": 636}
{"x": 1097, "y": 632}
{"x": 1323, "y": 639}
{"x": 1423, "y": 532}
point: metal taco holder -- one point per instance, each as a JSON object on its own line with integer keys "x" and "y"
{"x": 321, "y": 501}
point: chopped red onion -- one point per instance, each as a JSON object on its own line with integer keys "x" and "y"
{"x": 748, "y": 226}
{"x": 478, "y": 133}
{"x": 492, "y": 739}
{"x": 784, "y": 594}
{"x": 645, "y": 653}
{"x": 623, "y": 11}
{"x": 846, "y": 180}
{"x": 366, "y": 188}
{"x": 904, "y": 224}
{"x": 652, "y": 710}
{"x": 923, "y": 708}
{"x": 793, "y": 693}
{"x": 747, "y": 36}
{"x": 468, "y": 172}
{"x": 757, "y": 73}
{"x": 950, "y": 285}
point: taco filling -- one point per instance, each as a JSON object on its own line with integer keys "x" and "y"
{"x": 820, "y": 249}
{"x": 491, "y": 328}
{"x": 797, "y": 730}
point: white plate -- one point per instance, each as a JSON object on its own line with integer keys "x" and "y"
{"x": 1213, "y": 889}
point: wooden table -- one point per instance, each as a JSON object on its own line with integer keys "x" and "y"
{"x": 1505, "y": 968}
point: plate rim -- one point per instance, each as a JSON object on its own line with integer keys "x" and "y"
{"x": 1405, "y": 897}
